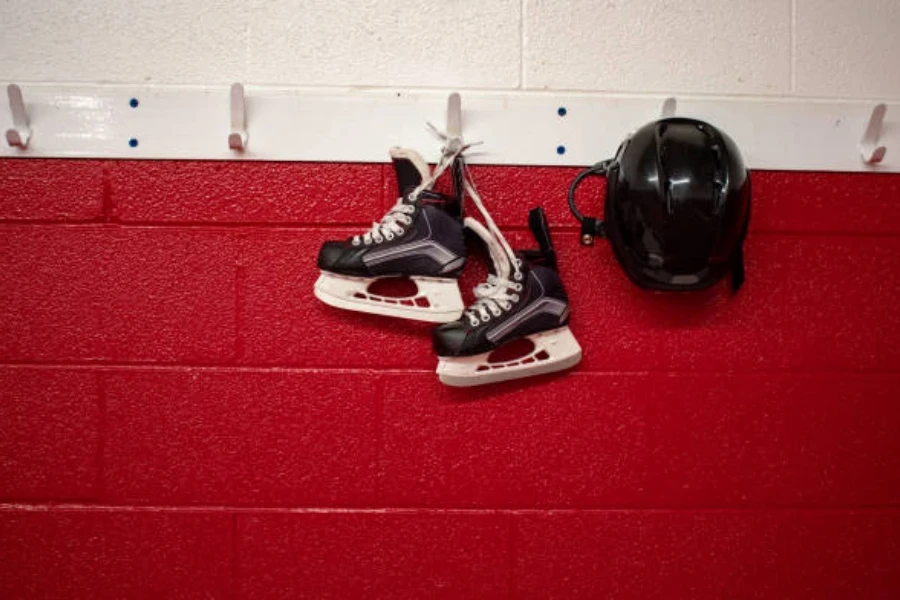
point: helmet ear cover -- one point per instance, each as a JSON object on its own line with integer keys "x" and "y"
{"x": 677, "y": 206}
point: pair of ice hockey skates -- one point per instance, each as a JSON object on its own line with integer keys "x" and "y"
{"x": 422, "y": 238}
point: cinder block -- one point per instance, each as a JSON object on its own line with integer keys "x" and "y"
{"x": 847, "y": 49}
{"x": 238, "y": 437}
{"x": 836, "y": 553}
{"x": 397, "y": 554}
{"x": 688, "y": 46}
{"x": 57, "y": 553}
{"x": 822, "y": 439}
{"x": 707, "y": 554}
{"x": 49, "y": 433}
{"x": 637, "y": 554}
{"x": 383, "y": 43}
{"x": 307, "y": 555}
{"x": 175, "y": 42}
{"x": 51, "y": 189}
{"x": 566, "y": 440}
{"x": 444, "y": 555}
{"x": 246, "y": 192}
{"x": 106, "y": 293}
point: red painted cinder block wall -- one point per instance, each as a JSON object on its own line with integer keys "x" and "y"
{"x": 179, "y": 417}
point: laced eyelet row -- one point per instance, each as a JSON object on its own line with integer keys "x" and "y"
{"x": 493, "y": 300}
{"x": 392, "y": 225}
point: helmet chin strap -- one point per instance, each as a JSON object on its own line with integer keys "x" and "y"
{"x": 591, "y": 227}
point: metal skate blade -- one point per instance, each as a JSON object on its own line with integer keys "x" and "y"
{"x": 554, "y": 350}
{"x": 434, "y": 301}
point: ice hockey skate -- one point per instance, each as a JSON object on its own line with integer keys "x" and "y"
{"x": 421, "y": 238}
{"x": 523, "y": 299}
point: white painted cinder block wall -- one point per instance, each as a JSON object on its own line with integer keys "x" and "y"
{"x": 806, "y": 48}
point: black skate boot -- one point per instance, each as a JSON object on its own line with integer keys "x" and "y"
{"x": 523, "y": 298}
{"x": 420, "y": 238}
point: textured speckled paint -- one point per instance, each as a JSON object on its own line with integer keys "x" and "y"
{"x": 237, "y": 437}
{"x": 103, "y": 553}
{"x": 174, "y": 400}
{"x": 394, "y": 554}
{"x": 57, "y": 190}
{"x": 50, "y": 421}
{"x": 102, "y": 292}
{"x": 244, "y": 192}
{"x": 707, "y": 554}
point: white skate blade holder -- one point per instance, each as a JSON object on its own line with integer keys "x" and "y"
{"x": 554, "y": 350}
{"x": 437, "y": 300}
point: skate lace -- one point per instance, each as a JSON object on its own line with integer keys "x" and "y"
{"x": 492, "y": 298}
{"x": 399, "y": 217}
{"x": 498, "y": 293}
{"x": 392, "y": 224}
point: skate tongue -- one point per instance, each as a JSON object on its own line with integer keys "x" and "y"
{"x": 540, "y": 228}
{"x": 410, "y": 168}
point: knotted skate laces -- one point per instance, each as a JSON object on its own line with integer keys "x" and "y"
{"x": 492, "y": 298}
{"x": 396, "y": 220}
{"x": 391, "y": 225}
{"x": 500, "y": 291}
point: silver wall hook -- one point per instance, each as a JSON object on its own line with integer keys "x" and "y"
{"x": 21, "y": 131}
{"x": 237, "y": 139}
{"x": 869, "y": 149}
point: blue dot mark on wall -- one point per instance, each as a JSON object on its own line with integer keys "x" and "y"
{"x": 133, "y": 103}
{"x": 561, "y": 111}
{"x": 133, "y": 142}
{"x": 560, "y": 150}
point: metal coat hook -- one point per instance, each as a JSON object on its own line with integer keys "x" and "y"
{"x": 871, "y": 152}
{"x": 668, "y": 108}
{"x": 237, "y": 139}
{"x": 21, "y": 131}
{"x": 454, "y": 122}
{"x": 452, "y": 134}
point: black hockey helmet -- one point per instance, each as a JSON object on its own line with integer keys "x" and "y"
{"x": 677, "y": 206}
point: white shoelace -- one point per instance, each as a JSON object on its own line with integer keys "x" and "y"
{"x": 396, "y": 220}
{"x": 392, "y": 224}
{"x": 500, "y": 291}
{"x": 492, "y": 298}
